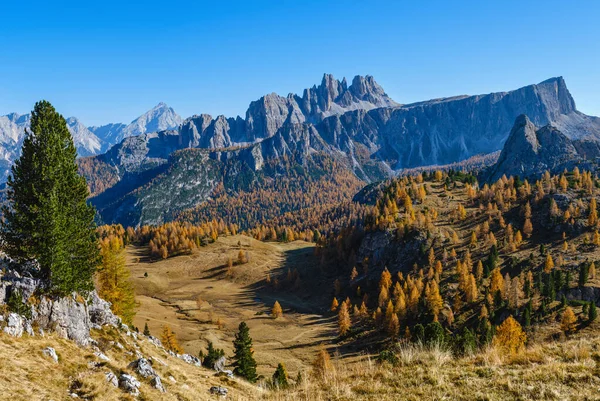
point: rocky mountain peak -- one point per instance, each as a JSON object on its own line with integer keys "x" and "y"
{"x": 530, "y": 151}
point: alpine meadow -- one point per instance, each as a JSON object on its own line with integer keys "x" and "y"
{"x": 340, "y": 242}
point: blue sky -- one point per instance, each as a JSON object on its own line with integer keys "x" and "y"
{"x": 112, "y": 60}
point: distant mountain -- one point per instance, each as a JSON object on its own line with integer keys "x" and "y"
{"x": 88, "y": 140}
{"x": 358, "y": 126}
{"x": 161, "y": 117}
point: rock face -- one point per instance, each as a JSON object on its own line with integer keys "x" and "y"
{"x": 70, "y": 317}
{"x": 530, "y": 151}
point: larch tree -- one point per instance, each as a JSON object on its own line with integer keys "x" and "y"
{"x": 113, "y": 280}
{"x": 169, "y": 341}
{"x": 334, "y": 304}
{"x": 343, "y": 319}
{"x": 322, "y": 365}
{"x": 47, "y": 218}
{"x": 510, "y": 337}
{"x": 568, "y": 321}
{"x": 276, "y": 311}
{"x": 549, "y": 264}
{"x": 434, "y": 299}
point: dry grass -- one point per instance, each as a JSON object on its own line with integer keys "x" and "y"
{"x": 26, "y": 374}
{"x": 170, "y": 293}
{"x": 555, "y": 371}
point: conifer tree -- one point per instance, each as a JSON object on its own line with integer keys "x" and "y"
{"x": 169, "y": 341}
{"x": 510, "y": 336}
{"x": 334, "y": 304}
{"x": 244, "y": 363}
{"x": 592, "y": 312}
{"x": 47, "y": 218}
{"x": 280, "y": 377}
{"x": 276, "y": 311}
{"x": 343, "y": 319}
{"x": 113, "y": 280}
{"x": 568, "y": 321}
{"x": 146, "y": 330}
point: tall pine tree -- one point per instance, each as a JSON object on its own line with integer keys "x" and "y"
{"x": 47, "y": 218}
{"x": 245, "y": 365}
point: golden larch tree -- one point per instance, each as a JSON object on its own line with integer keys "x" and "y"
{"x": 276, "y": 311}
{"x": 343, "y": 319}
{"x": 510, "y": 338}
{"x": 568, "y": 322}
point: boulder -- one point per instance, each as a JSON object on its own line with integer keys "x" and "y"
{"x": 14, "y": 325}
{"x": 112, "y": 378}
{"x": 100, "y": 313}
{"x": 192, "y": 360}
{"x": 143, "y": 367}
{"x": 218, "y": 390}
{"x": 129, "y": 384}
{"x": 220, "y": 363}
{"x": 157, "y": 384}
{"x": 50, "y": 352}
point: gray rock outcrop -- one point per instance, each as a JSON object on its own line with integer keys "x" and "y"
{"x": 529, "y": 151}
{"x": 51, "y": 353}
{"x": 129, "y": 384}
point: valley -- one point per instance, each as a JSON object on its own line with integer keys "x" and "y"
{"x": 202, "y": 301}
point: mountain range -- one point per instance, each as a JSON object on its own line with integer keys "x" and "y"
{"x": 88, "y": 140}
{"x": 158, "y": 157}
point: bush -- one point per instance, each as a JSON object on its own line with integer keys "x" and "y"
{"x": 15, "y": 304}
{"x": 434, "y": 334}
{"x": 213, "y": 354}
{"x": 387, "y": 356}
{"x": 418, "y": 333}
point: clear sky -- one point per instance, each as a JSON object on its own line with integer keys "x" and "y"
{"x": 109, "y": 61}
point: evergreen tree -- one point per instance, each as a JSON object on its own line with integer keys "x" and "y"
{"x": 212, "y": 355}
{"x": 280, "y": 377}
{"x": 244, "y": 363}
{"x": 592, "y": 312}
{"x": 146, "y": 330}
{"x": 434, "y": 334}
{"x": 47, "y": 218}
{"x": 583, "y": 274}
{"x": 418, "y": 333}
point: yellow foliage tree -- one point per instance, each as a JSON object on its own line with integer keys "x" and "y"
{"x": 343, "y": 319}
{"x": 277, "y": 311}
{"x": 510, "y": 337}
{"x": 169, "y": 341}
{"x": 434, "y": 299}
{"x": 568, "y": 322}
{"x": 497, "y": 282}
{"x": 113, "y": 280}
{"x": 549, "y": 265}
{"x": 334, "y": 304}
